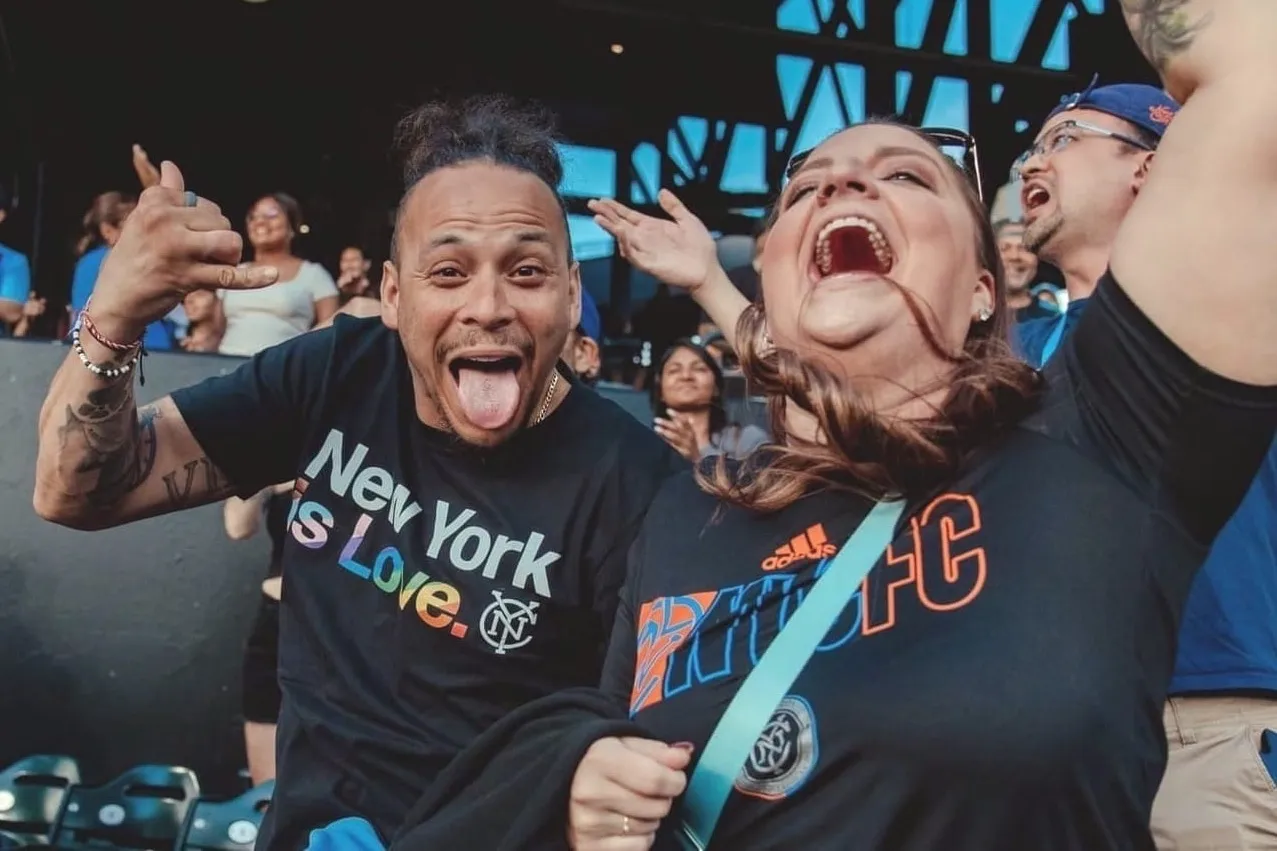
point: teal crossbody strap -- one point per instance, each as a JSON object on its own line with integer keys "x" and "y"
{"x": 761, "y": 692}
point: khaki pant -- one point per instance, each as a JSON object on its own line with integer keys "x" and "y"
{"x": 1217, "y": 795}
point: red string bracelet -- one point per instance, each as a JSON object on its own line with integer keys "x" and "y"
{"x": 102, "y": 338}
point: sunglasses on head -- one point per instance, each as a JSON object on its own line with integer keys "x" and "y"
{"x": 942, "y": 138}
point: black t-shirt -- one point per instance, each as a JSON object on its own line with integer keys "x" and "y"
{"x": 998, "y": 682}
{"x": 429, "y": 587}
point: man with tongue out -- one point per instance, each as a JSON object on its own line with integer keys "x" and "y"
{"x": 463, "y": 507}
{"x": 488, "y": 387}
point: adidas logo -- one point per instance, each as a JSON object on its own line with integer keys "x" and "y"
{"x": 807, "y": 546}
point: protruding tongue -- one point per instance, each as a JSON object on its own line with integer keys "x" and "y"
{"x": 489, "y": 398}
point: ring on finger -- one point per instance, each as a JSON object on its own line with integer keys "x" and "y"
{"x": 189, "y": 199}
{"x": 625, "y": 825}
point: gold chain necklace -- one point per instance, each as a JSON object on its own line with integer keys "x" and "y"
{"x": 549, "y": 397}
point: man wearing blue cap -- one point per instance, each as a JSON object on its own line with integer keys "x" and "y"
{"x": 583, "y": 351}
{"x": 1078, "y": 181}
{"x": 1080, "y": 178}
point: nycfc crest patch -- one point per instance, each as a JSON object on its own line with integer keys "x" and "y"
{"x": 784, "y": 755}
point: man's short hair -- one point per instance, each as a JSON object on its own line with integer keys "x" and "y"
{"x": 482, "y": 128}
{"x": 1140, "y": 134}
{"x": 1003, "y": 224}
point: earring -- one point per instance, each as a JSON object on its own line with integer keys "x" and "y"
{"x": 984, "y": 314}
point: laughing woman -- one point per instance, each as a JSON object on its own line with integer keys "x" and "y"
{"x": 983, "y": 687}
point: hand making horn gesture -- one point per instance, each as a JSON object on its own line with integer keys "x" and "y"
{"x": 678, "y": 251}
{"x": 147, "y": 174}
{"x": 173, "y": 243}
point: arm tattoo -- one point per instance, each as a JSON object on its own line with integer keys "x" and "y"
{"x": 1163, "y": 28}
{"x": 109, "y": 440}
{"x": 181, "y": 483}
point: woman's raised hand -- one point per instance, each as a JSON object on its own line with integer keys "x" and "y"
{"x": 678, "y": 251}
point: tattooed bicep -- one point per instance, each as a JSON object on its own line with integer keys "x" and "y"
{"x": 1165, "y": 28}
{"x": 181, "y": 474}
{"x": 195, "y": 482}
{"x": 136, "y": 462}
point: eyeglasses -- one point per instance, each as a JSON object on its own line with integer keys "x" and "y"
{"x": 944, "y": 138}
{"x": 1061, "y": 136}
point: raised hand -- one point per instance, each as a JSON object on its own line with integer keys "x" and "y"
{"x": 167, "y": 249}
{"x": 33, "y": 307}
{"x": 622, "y": 789}
{"x": 678, "y": 433}
{"x": 147, "y": 174}
{"x": 678, "y": 251}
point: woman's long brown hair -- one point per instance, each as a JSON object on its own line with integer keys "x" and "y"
{"x": 989, "y": 391}
{"x": 109, "y": 208}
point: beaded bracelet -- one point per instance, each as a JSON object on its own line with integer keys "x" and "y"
{"x": 106, "y": 371}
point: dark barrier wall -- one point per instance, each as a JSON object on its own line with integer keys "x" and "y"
{"x": 123, "y": 646}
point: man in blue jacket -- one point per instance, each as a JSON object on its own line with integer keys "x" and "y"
{"x": 1080, "y": 177}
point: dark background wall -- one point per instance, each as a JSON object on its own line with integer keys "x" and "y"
{"x": 123, "y": 646}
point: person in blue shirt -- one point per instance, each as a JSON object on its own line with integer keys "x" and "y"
{"x": 1080, "y": 177}
{"x": 101, "y": 228}
{"x": 1021, "y": 267}
{"x": 15, "y": 277}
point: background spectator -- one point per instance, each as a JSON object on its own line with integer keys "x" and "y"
{"x": 100, "y": 229}
{"x": 687, "y": 399}
{"x": 15, "y": 276}
{"x": 583, "y": 351}
{"x": 303, "y": 296}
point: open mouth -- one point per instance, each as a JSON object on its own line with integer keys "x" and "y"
{"x": 852, "y": 244}
{"x": 1033, "y": 196}
{"x": 488, "y": 387}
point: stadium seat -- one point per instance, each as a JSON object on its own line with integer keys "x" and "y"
{"x": 227, "y": 825}
{"x": 32, "y": 792}
{"x": 143, "y": 808}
